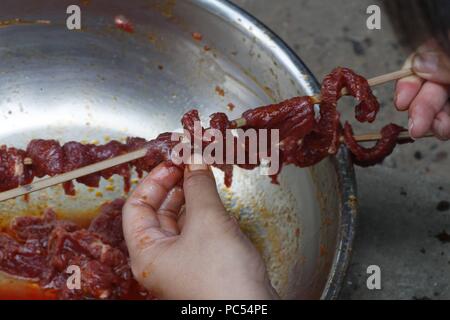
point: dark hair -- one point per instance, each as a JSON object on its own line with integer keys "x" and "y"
{"x": 418, "y": 20}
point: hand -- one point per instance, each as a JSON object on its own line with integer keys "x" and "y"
{"x": 426, "y": 94}
{"x": 199, "y": 254}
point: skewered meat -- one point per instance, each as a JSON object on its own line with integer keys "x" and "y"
{"x": 365, "y": 157}
{"x": 304, "y": 140}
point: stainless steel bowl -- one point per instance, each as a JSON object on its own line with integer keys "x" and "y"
{"x": 102, "y": 83}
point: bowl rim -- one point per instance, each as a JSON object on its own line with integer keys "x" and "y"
{"x": 342, "y": 161}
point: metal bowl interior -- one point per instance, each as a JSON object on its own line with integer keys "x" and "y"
{"x": 102, "y": 83}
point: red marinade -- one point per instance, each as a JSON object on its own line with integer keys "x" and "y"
{"x": 42, "y": 248}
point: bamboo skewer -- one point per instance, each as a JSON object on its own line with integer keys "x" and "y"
{"x": 99, "y": 166}
{"x": 369, "y": 137}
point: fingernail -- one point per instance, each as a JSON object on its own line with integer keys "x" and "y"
{"x": 197, "y": 167}
{"x": 426, "y": 62}
{"x": 400, "y": 99}
{"x": 410, "y": 127}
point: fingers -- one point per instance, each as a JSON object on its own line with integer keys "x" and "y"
{"x": 441, "y": 124}
{"x": 426, "y": 94}
{"x": 182, "y": 218}
{"x": 142, "y": 223}
{"x": 433, "y": 66}
{"x": 200, "y": 190}
{"x": 424, "y": 108}
{"x": 407, "y": 88}
{"x": 169, "y": 211}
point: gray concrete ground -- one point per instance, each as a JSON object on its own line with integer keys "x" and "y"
{"x": 403, "y": 202}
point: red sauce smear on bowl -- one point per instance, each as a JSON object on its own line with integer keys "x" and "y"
{"x": 123, "y": 23}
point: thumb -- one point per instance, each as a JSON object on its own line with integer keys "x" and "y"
{"x": 202, "y": 200}
{"x": 433, "y": 66}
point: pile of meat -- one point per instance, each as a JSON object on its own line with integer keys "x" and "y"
{"x": 305, "y": 139}
{"x": 42, "y": 248}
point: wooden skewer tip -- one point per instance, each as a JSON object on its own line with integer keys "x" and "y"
{"x": 239, "y": 123}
